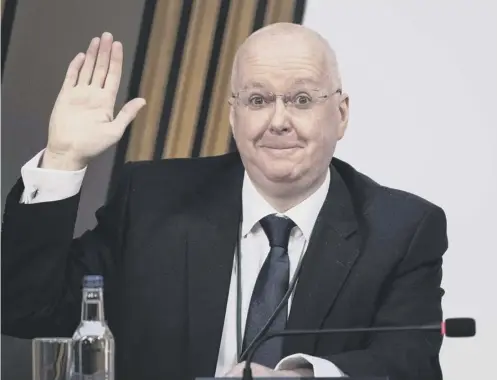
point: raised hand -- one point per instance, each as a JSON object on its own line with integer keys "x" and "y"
{"x": 82, "y": 124}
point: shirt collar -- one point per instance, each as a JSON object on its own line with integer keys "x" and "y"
{"x": 304, "y": 215}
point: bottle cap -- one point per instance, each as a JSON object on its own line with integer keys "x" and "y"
{"x": 93, "y": 281}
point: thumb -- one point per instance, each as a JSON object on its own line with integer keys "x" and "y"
{"x": 128, "y": 112}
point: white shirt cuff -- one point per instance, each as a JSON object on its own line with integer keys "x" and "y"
{"x": 321, "y": 367}
{"x": 49, "y": 185}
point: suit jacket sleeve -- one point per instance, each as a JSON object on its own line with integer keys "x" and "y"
{"x": 412, "y": 296}
{"x": 43, "y": 265}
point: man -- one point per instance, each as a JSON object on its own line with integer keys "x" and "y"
{"x": 198, "y": 254}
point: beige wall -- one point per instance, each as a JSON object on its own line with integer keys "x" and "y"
{"x": 45, "y": 36}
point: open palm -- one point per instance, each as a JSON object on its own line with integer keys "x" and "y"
{"x": 82, "y": 124}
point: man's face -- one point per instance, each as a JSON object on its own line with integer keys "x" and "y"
{"x": 282, "y": 143}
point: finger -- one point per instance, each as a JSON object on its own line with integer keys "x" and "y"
{"x": 91, "y": 55}
{"x": 260, "y": 370}
{"x": 103, "y": 58}
{"x": 72, "y": 73}
{"x": 128, "y": 113}
{"x": 115, "y": 69}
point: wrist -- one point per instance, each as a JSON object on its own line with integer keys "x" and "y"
{"x": 61, "y": 161}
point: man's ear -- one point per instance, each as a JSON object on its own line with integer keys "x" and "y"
{"x": 232, "y": 119}
{"x": 344, "y": 115}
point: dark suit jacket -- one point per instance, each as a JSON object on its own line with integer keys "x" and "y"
{"x": 165, "y": 244}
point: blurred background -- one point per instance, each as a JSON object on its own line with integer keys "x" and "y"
{"x": 421, "y": 77}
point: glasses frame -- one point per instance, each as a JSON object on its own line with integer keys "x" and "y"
{"x": 323, "y": 98}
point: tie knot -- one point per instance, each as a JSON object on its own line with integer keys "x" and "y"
{"x": 277, "y": 230}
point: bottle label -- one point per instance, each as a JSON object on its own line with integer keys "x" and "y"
{"x": 93, "y": 295}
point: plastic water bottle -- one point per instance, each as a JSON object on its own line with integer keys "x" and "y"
{"x": 93, "y": 342}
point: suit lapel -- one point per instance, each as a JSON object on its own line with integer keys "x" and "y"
{"x": 331, "y": 253}
{"x": 213, "y": 225}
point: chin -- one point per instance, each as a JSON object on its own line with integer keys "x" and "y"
{"x": 281, "y": 173}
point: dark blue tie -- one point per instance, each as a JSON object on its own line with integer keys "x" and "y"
{"x": 269, "y": 290}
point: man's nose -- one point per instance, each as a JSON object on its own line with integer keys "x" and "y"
{"x": 280, "y": 122}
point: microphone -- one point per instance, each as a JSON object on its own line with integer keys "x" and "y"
{"x": 451, "y": 328}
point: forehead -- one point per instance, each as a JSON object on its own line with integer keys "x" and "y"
{"x": 282, "y": 62}
{"x": 269, "y": 81}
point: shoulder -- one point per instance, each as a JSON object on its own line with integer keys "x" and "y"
{"x": 393, "y": 219}
{"x": 377, "y": 203}
{"x": 179, "y": 170}
{"x": 174, "y": 179}
{"x": 182, "y": 165}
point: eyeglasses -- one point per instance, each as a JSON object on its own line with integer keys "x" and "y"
{"x": 260, "y": 99}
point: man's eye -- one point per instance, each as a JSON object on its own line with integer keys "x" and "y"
{"x": 302, "y": 99}
{"x": 256, "y": 100}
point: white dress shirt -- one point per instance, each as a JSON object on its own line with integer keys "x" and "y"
{"x": 45, "y": 185}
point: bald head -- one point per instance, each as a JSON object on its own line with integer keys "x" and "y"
{"x": 276, "y": 39}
